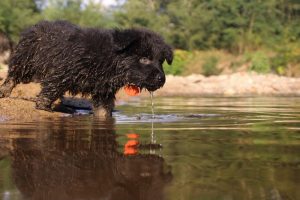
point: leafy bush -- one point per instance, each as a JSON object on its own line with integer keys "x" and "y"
{"x": 209, "y": 66}
{"x": 181, "y": 58}
{"x": 17, "y": 15}
{"x": 284, "y": 57}
{"x": 279, "y": 63}
{"x": 260, "y": 62}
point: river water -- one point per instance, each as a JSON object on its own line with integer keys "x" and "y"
{"x": 193, "y": 148}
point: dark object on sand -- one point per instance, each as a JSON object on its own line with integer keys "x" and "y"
{"x": 64, "y": 57}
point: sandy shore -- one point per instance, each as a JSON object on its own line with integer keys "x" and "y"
{"x": 239, "y": 84}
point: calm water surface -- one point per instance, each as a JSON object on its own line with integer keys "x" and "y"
{"x": 194, "y": 148}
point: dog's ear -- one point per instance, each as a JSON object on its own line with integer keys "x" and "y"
{"x": 168, "y": 54}
{"x": 124, "y": 39}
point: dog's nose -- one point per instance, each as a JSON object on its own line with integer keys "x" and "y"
{"x": 160, "y": 78}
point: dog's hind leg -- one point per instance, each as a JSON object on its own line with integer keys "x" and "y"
{"x": 7, "y": 87}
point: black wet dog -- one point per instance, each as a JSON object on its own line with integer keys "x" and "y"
{"x": 64, "y": 57}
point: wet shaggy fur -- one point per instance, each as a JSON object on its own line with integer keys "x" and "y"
{"x": 98, "y": 62}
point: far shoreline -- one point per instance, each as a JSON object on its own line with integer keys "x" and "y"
{"x": 236, "y": 84}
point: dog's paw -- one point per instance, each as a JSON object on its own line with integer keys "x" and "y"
{"x": 3, "y": 93}
{"x": 43, "y": 104}
{"x": 6, "y": 88}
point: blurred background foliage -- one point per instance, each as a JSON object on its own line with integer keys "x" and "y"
{"x": 267, "y": 30}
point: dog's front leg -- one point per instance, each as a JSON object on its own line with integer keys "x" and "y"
{"x": 103, "y": 105}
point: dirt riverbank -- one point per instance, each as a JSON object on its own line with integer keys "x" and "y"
{"x": 239, "y": 84}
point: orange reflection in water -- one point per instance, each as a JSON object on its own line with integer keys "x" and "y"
{"x": 131, "y": 146}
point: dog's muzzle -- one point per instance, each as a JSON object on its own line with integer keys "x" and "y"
{"x": 155, "y": 82}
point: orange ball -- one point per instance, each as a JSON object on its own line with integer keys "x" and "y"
{"x": 132, "y": 90}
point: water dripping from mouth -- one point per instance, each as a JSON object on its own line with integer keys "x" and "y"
{"x": 152, "y": 104}
{"x": 153, "y": 140}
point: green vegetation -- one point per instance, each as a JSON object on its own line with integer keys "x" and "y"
{"x": 210, "y": 66}
{"x": 239, "y": 27}
{"x": 260, "y": 62}
{"x": 181, "y": 58}
{"x": 16, "y": 15}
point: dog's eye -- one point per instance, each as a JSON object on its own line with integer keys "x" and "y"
{"x": 145, "y": 61}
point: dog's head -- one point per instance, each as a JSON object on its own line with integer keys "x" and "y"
{"x": 142, "y": 54}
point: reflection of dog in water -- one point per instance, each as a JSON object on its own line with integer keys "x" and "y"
{"x": 85, "y": 164}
